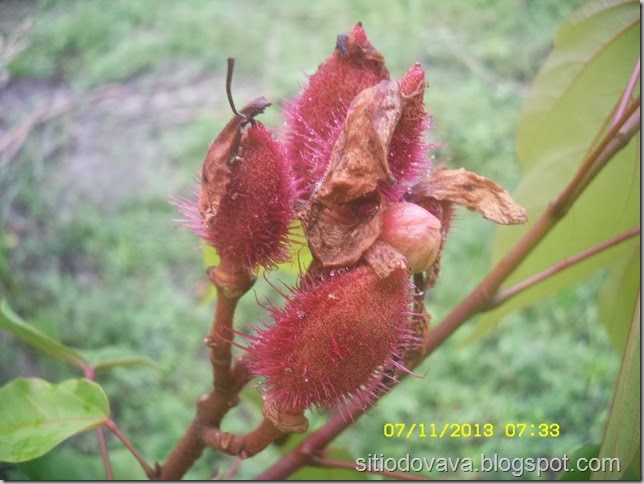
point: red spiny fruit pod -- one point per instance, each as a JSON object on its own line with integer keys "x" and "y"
{"x": 408, "y": 149}
{"x": 314, "y": 119}
{"x": 333, "y": 339}
{"x": 250, "y": 225}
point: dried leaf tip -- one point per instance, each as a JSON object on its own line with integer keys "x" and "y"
{"x": 472, "y": 191}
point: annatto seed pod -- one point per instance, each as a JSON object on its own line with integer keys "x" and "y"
{"x": 245, "y": 201}
{"x": 407, "y": 158}
{"x": 414, "y": 232}
{"x": 315, "y": 118}
{"x": 332, "y": 340}
{"x": 249, "y": 226}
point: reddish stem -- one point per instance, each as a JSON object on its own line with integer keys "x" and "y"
{"x": 628, "y": 92}
{"x": 233, "y": 469}
{"x": 90, "y": 373}
{"x": 503, "y": 296}
{"x": 219, "y": 340}
{"x": 242, "y": 445}
{"x": 231, "y": 284}
{"x": 211, "y": 409}
{"x": 109, "y": 474}
{"x": 616, "y": 138}
{"x": 110, "y": 424}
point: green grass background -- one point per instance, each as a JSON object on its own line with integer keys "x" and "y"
{"x": 107, "y": 265}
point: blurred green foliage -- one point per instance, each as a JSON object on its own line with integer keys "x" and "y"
{"x": 113, "y": 268}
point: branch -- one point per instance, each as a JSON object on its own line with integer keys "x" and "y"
{"x": 89, "y": 372}
{"x": 231, "y": 284}
{"x": 502, "y": 296}
{"x": 617, "y": 137}
{"x": 628, "y": 92}
{"x": 233, "y": 469}
{"x": 151, "y": 473}
{"x": 482, "y": 295}
{"x": 243, "y": 446}
{"x": 104, "y": 454}
{"x": 210, "y": 408}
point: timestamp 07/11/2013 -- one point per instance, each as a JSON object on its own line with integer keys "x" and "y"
{"x": 455, "y": 430}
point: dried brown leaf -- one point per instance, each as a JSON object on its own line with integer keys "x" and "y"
{"x": 359, "y": 158}
{"x": 384, "y": 259}
{"x": 472, "y": 191}
{"x": 336, "y": 241}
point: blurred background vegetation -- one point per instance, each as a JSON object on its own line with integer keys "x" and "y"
{"x": 106, "y": 111}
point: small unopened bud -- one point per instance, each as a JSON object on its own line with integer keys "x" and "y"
{"x": 414, "y": 232}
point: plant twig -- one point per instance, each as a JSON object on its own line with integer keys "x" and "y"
{"x": 210, "y": 408}
{"x": 340, "y": 464}
{"x": 618, "y": 135}
{"x": 628, "y": 92}
{"x": 219, "y": 341}
{"x": 482, "y": 295}
{"x": 90, "y": 373}
{"x": 502, "y": 296}
{"x": 242, "y": 445}
{"x": 110, "y": 424}
{"x": 104, "y": 454}
{"x": 234, "y": 467}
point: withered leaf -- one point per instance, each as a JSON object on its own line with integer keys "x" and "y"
{"x": 342, "y": 218}
{"x": 359, "y": 158}
{"x": 384, "y": 259}
{"x": 215, "y": 172}
{"x": 336, "y": 242}
{"x": 472, "y": 191}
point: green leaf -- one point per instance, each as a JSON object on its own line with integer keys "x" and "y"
{"x": 595, "y": 53}
{"x": 596, "y": 50}
{"x": 634, "y": 471}
{"x": 587, "y": 451}
{"x": 112, "y": 356}
{"x": 616, "y": 298}
{"x": 66, "y": 464}
{"x": 623, "y": 434}
{"x": 101, "y": 358}
{"x": 36, "y": 415}
{"x": 13, "y": 323}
